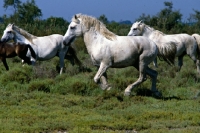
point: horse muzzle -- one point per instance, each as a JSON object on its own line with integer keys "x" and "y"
{"x": 4, "y": 39}
{"x": 67, "y": 41}
{"x": 131, "y": 34}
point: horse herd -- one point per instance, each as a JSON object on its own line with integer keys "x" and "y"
{"x": 106, "y": 49}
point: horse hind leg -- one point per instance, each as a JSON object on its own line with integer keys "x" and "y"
{"x": 153, "y": 74}
{"x": 141, "y": 79}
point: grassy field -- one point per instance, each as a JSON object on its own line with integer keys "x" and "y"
{"x": 38, "y": 99}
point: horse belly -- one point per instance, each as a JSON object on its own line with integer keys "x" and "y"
{"x": 124, "y": 60}
{"x": 180, "y": 51}
{"x": 123, "y": 64}
{"x": 46, "y": 55}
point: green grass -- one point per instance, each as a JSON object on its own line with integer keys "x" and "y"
{"x": 38, "y": 99}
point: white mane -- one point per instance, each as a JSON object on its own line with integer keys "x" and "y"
{"x": 24, "y": 33}
{"x": 89, "y": 22}
{"x": 143, "y": 27}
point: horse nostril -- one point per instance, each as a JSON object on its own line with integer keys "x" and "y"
{"x": 2, "y": 40}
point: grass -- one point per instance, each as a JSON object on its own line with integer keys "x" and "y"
{"x": 40, "y": 100}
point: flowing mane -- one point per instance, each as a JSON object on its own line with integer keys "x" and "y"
{"x": 27, "y": 35}
{"x": 89, "y": 21}
{"x": 145, "y": 28}
{"x": 156, "y": 32}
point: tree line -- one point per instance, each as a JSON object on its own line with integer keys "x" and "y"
{"x": 28, "y": 16}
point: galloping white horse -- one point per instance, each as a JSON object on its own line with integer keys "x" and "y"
{"x": 185, "y": 44}
{"x": 109, "y": 50}
{"x": 45, "y": 47}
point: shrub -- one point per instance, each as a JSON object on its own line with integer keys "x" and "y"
{"x": 40, "y": 85}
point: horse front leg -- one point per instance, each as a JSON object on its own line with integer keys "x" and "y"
{"x": 5, "y": 63}
{"x": 180, "y": 62}
{"x": 104, "y": 81}
{"x": 198, "y": 66}
{"x": 101, "y": 73}
{"x": 155, "y": 62}
{"x": 61, "y": 58}
{"x": 196, "y": 61}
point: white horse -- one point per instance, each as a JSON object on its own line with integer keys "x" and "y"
{"x": 45, "y": 47}
{"x": 109, "y": 50}
{"x": 197, "y": 38}
{"x": 185, "y": 44}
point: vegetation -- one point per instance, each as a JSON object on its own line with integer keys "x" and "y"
{"x": 38, "y": 99}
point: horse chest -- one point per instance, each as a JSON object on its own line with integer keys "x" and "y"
{"x": 99, "y": 54}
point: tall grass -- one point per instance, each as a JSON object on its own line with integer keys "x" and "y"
{"x": 38, "y": 99}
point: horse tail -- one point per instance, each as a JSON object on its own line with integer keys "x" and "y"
{"x": 197, "y": 39}
{"x": 73, "y": 53}
{"x": 32, "y": 51}
{"x": 167, "y": 52}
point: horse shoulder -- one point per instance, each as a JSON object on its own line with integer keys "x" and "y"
{"x": 56, "y": 36}
{"x": 196, "y": 37}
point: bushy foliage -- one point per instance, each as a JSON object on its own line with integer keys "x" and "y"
{"x": 38, "y": 99}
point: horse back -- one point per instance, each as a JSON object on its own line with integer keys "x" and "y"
{"x": 51, "y": 41}
{"x": 144, "y": 44}
{"x": 134, "y": 48}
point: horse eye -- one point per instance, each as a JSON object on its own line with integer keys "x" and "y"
{"x": 134, "y": 28}
{"x": 72, "y": 27}
{"x": 9, "y": 32}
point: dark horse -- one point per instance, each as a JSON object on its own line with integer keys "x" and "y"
{"x": 9, "y": 50}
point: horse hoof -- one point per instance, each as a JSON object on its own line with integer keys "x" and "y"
{"x": 127, "y": 93}
{"x": 109, "y": 88}
{"x": 157, "y": 94}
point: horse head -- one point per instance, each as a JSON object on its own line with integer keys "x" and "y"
{"x": 8, "y": 34}
{"x": 74, "y": 29}
{"x": 137, "y": 29}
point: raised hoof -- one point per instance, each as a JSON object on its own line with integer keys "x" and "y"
{"x": 109, "y": 88}
{"x": 105, "y": 87}
{"x": 157, "y": 94}
{"x": 127, "y": 93}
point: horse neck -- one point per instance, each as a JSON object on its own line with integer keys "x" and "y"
{"x": 21, "y": 38}
{"x": 89, "y": 38}
{"x": 147, "y": 31}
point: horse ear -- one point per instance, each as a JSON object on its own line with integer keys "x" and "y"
{"x": 140, "y": 22}
{"x": 75, "y": 17}
{"x": 12, "y": 25}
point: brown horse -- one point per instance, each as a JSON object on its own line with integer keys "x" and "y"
{"x": 9, "y": 50}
